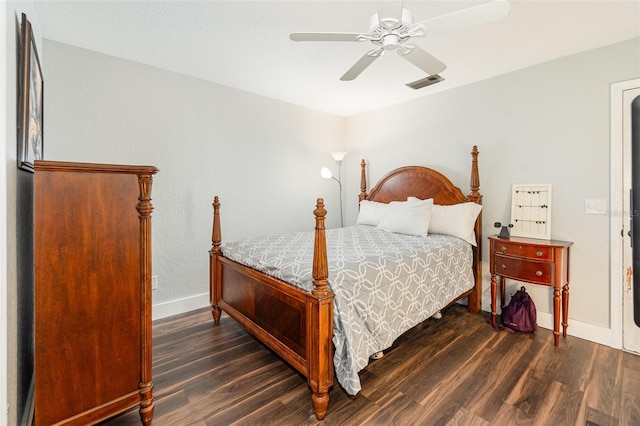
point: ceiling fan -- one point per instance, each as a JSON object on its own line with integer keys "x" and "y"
{"x": 391, "y": 28}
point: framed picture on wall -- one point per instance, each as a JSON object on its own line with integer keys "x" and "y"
{"x": 30, "y": 107}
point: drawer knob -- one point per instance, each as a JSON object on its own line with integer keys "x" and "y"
{"x": 539, "y": 254}
{"x": 504, "y": 266}
{"x": 539, "y": 273}
{"x": 504, "y": 249}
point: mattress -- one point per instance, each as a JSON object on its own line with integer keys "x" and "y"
{"x": 384, "y": 283}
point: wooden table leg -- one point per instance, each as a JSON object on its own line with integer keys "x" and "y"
{"x": 565, "y": 309}
{"x": 320, "y": 401}
{"x": 502, "y": 295}
{"x": 556, "y": 313}
{"x": 493, "y": 299}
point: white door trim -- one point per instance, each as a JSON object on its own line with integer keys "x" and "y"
{"x": 618, "y": 216}
{"x": 4, "y": 405}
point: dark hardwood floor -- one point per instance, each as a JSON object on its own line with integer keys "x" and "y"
{"x": 455, "y": 371}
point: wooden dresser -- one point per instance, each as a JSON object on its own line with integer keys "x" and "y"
{"x": 544, "y": 262}
{"x": 92, "y": 291}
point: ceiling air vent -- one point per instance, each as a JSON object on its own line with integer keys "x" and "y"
{"x": 427, "y": 81}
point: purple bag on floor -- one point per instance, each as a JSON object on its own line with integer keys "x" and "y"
{"x": 520, "y": 314}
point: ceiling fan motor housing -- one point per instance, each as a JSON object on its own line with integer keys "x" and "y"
{"x": 388, "y": 32}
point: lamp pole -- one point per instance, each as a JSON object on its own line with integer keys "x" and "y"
{"x": 340, "y": 189}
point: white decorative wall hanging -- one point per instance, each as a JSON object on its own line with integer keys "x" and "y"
{"x": 531, "y": 211}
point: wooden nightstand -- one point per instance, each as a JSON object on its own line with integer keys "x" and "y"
{"x": 544, "y": 262}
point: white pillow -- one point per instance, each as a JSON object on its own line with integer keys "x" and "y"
{"x": 457, "y": 220}
{"x": 371, "y": 212}
{"x": 410, "y": 218}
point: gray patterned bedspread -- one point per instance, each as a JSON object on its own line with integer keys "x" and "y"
{"x": 384, "y": 283}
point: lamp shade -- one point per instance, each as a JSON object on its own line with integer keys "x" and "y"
{"x": 338, "y": 155}
{"x": 325, "y": 172}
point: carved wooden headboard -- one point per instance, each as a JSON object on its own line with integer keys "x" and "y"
{"x": 421, "y": 182}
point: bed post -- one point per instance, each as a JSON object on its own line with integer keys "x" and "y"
{"x": 320, "y": 264}
{"x": 319, "y": 344}
{"x": 214, "y": 266}
{"x": 475, "y": 298}
{"x": 363, "y": 181}
{"x": 475, "y": 177}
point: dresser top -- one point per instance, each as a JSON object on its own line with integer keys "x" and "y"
{"x": 532, "y": 241}
{"x": 67, "y": 166}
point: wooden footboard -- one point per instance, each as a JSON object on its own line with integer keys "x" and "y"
{"x": 295, "y": 324}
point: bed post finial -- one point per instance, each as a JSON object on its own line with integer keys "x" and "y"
{"x": 216, "y": 235}
{"x": 320, "y": 264}
{"x": 475, "y": 177}
{"x": 363, "y": 181}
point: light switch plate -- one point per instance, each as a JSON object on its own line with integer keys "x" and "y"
{"x": 595, "y": 206}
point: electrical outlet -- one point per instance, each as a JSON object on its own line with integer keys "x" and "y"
{"x": 154, "y": 282}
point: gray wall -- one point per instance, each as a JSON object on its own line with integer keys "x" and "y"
{"x": 544, "y": 124}
{"x": 261, "y": 156}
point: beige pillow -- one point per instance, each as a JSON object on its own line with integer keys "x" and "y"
{"x": 411, "y": 218}
{"x": 457, "y": 220}
{"x": 371, "y": 212}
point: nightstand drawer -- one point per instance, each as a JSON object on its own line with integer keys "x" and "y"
{"x": 525, "y": 251}
{"x": 524, "y": 270}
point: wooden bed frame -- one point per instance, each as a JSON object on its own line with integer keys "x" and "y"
{"x": 298, "y": 325}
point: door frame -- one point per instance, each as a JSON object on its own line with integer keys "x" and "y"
{"x": 4, "y": 404}
{"x": 617, "y": 215}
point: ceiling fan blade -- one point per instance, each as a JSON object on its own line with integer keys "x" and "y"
{"x": 424, "y": 60}
{"x": 324, "y": 36}
{"x": 476, "y": 15}
{"x": 359, "y": 66}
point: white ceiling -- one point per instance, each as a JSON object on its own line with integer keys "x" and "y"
{"x": 245, "y": 44}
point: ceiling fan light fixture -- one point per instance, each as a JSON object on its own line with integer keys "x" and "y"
{"x": 390, "y": 42}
